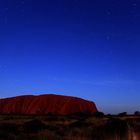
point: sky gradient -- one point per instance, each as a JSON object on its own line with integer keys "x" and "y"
{"x": 84, "y": 48}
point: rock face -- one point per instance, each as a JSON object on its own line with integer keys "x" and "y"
{"x": 44, "y": 104}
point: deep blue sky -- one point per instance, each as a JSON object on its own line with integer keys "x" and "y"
{"x": 85, "y": 48}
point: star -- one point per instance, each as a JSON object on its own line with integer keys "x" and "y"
{"x": 22, "y": 2}
{"x": 107, "y": 37}
{"x": 5, "y": 19}
{"x": 22, "y": 10}
{"x": 6, "y": 9}
{"x": 134, "y": 4}
{"x": 108, "y": 12}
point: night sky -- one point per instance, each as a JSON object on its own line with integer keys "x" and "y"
{"x": 84, "y": 48}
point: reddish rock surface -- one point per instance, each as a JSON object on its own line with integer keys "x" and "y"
{"x": 44, "y": 104}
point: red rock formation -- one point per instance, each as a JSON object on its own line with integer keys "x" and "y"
{"x": 44, "y": 104}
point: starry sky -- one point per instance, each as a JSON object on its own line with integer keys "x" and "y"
{"x": 84, "y": 48}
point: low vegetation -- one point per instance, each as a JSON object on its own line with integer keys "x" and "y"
{"x": 71, "y": 127}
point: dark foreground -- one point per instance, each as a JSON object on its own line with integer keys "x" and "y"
{"x": 72, "y": 127}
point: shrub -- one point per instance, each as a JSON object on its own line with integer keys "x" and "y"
{"x": 9, "y": 128}
{"x": 137, "y": 113}
{"x": 34, "y": 126}
{"x": 98, "y": 114}
{"x": 79, "y": 124}
{"x": 123, "y": 114}
{"x": 116, "y": 127}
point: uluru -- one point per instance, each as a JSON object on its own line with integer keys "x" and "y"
{"x": 45, "y": 104}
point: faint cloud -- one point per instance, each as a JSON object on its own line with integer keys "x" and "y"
{"x": 98, "y": 83}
